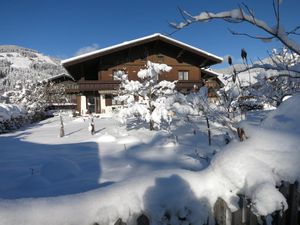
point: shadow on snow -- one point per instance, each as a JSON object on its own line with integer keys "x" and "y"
{"x": 42, "y": 170}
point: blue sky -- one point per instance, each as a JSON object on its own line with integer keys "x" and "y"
{"x": 62, "y": 27}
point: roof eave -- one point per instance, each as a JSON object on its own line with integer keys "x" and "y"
{"x": 213, "y": 59}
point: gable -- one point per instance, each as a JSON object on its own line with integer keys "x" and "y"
{"x": 206, "y": 58}
{"x": 137, "y": 54}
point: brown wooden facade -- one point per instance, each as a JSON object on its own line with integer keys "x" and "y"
{"x": 93, "y": 72}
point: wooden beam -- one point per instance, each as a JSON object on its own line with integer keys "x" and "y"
{"x": 180, "y": 53}
{"x": 204, "y": 63}
{"x": 129, "y": 54}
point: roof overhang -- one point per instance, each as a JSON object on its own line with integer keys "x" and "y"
{"x": 210, "y": 58}
{"x": 61, "y": 77}
{"x": 207, "y": 73}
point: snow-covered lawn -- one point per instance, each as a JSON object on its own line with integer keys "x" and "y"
{"x": 37, "y": 163}
{"x": 119, "y": 172}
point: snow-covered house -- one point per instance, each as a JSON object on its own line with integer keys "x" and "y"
{"x": 93, "y": 71}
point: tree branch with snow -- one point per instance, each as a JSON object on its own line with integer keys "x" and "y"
{"x": 147, "y": 98}
{"x": 245, "y": 14}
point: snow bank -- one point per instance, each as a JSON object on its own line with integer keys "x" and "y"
{"x": 286, "y": 117}
{"x": 9, "y": 111}
{"x": 255, "y": 167}
{"x": 128, "y": 140}
{"x": 106, "y": 138}
{"x": 154, "y": 194}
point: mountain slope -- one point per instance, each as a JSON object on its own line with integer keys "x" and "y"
{"x": 22, "y": 64}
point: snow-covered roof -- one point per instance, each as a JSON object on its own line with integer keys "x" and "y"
{"x": 62, "y": 75}
{"x": 211, "y": 72}
{"x": 102, "y": 51}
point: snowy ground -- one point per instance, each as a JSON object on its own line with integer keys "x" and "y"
{"x": 119, "y": 172}
{"x": 42, "y": 164}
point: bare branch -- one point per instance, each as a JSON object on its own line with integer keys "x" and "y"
{"x": 294, "y": 31}
{"x": 276, "y": 12}
{"x": 238, "y": 15}
{"x": 264, "y": 39}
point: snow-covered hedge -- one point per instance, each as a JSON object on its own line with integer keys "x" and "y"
{"x": 9, "y": 111}
{"x": 13, "y": 117}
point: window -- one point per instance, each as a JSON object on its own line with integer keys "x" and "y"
{"x": 160, "y": 58}
{"x": 183, "y": 75}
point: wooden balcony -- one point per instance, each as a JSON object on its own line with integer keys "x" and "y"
{"x": 187, "y": 84}
{"x": 96, "y": 85}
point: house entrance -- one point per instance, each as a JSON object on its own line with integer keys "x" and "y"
{"x": 94, "y": 104}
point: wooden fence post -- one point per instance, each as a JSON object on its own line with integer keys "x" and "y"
{"x": 222, "y": 213}
{"x": 143, "y": 220}
{"x": 293, "y": 202}
{"x": 120, "y": 222}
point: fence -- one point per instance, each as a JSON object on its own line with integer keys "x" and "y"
{"x": 244, "y": 216}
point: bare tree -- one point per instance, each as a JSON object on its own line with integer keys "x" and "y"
{"x": 244, "y": 14}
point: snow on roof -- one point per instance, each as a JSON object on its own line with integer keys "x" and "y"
{"x": 211, "y": 72}
{"x": 60, "y": 75}
{"x": 200, "y": 51}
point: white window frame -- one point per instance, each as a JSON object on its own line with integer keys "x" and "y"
{"x": 183, "y": 75}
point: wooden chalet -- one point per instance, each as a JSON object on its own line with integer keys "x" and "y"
{"x": 95, "y": 86}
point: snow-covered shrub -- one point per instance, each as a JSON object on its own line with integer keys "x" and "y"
{"x": 268, "y": 82}
{"x": 147, "y": 99}
{"x": 34, "y": 97}
{"x": 27, "y": 104}
{"x": 30, "y": 96}
{"x": 11, "y": 117}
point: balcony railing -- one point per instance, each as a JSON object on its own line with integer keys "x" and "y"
{"x": 96, "y": 85}
{"x": 187, "y": 84}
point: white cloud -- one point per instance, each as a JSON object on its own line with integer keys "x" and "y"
{"x": 87, "y": 49}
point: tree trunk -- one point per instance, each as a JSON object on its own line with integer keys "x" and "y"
{"x": 151, "y": 111}
{"x": 241, "y": 134}
{"x": 208, "y": 130}
{"x": 151, "y": 125}
{"x": 62, "y": 130}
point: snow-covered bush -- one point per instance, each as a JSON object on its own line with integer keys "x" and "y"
{"x": 261, "y": 84}
{"x": 148, "y": 98}
{"x": 30, "y": 96}
{"x": 277, "y": 78}
{"x": 27, "y": 103}
{"x": 34, "y": 97}
{"x": 12, "y": 117}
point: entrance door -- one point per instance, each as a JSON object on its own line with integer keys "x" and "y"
{"x": 91, "y": 104}
{"x": 94, "y": 104}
